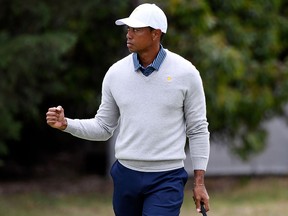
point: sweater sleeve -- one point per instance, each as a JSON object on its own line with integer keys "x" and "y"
{"x": 102, "y": 126}
{"x": 196, "y": 122}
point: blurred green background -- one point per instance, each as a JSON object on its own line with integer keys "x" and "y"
{"x": 57, "y": 52}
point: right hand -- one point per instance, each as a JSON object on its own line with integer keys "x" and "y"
{"x": 55, "y": 118}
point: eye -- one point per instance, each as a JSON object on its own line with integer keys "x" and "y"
{"x": 135, "y": 30}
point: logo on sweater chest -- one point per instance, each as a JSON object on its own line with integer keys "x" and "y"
{"x": 169, "y": 78}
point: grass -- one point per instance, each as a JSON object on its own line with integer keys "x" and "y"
{"x": 50, "y": 205}
{"x": 236, "y": 196}
{"x": 245, "y": 197}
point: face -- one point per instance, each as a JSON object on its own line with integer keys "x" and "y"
{"x": 140, "y": 39}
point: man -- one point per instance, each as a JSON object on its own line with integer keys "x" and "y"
{"x": 157, "y": 99}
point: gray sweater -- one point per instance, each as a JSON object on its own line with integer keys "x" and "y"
{"x": 155, "y": 115}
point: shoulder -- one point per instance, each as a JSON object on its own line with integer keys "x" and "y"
{"x": 180, "y": 63}
{"x": 176, "y": 56}
{"x": 122, "y": 63}
{"x": 120, "y": 67}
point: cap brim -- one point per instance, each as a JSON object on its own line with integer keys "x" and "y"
{"x": 131, "y": 22}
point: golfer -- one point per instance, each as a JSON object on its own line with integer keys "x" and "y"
{"x": 156, "y": 98}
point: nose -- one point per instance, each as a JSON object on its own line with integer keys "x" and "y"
{"x": 129, "y": 33}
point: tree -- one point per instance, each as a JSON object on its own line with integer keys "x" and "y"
{"x": 240, "y": 49}
{"x": 52, "y": 52}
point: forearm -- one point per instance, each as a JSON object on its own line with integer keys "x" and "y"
{"x": 199, "y": 151}
{"x": 89, "y": 129}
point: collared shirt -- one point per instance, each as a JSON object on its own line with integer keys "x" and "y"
{"x": 155, "y": 65}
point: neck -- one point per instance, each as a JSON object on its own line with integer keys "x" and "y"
{"x": 146, "y": 58}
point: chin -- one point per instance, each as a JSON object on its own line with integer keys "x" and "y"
{"x": 131, "y": 50}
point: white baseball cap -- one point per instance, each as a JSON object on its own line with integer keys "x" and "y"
{"x": 146, "y": 15}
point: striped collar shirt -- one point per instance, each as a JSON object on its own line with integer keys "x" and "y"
{"x": 155, "y": 65}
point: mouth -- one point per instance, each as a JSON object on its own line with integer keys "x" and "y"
{"x": 129, "y": 44}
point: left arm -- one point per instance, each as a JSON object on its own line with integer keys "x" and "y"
{"x": 198, "y": 134}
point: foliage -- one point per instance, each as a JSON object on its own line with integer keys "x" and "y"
{"x": 54, "y": 52}
{"x": 241, "y": 52}
{"x": 24, "y": 71}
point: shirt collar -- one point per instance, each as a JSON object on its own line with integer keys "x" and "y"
{"x": 155, "y": 64}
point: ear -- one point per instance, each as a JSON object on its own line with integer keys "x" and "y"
{"x": 156, "y": 34}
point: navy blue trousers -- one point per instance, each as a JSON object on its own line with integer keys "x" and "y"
{"x": 147, "y": 193}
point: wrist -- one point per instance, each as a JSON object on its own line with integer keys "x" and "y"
{"x": 199, "y": 178}
{"x": 198, "y": 185}
{"x": 64, "y": 124}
